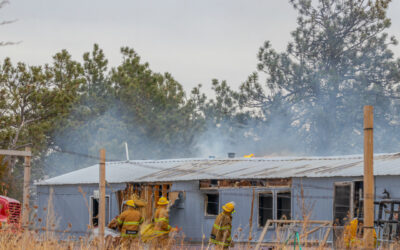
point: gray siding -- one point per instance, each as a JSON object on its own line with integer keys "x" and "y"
{"x": 390, "y": 183}
{"x": 70, "y": 206}
{"x": 318, "y": 197}
{"x": 195, "y": 224}
{"x": 191, "y": 217}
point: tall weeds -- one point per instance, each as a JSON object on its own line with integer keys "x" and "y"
{"x": 43, "y": 235}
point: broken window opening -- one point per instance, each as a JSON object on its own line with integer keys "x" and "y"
{"x": 265, "y": 208}
{"x": 211, "y": 204}
{"x": 357, "y": 199}
{"x": 347, "y": 204}
{"x": 94, "y": 211}
{"x": 342, "y": 203}
{"x": 283, "y": 208}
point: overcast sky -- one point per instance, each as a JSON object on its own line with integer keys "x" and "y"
{"x": 194, "y": 40}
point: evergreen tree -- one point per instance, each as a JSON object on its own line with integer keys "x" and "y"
{"x": 154, "y": 106}
{"x": 34, "y": 100}
{"x": 339, "y": 61}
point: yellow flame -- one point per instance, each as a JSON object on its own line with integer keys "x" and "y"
{"x": 249, "y": 156}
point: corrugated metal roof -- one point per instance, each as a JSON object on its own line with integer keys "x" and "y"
{"x": 238, "y": 168}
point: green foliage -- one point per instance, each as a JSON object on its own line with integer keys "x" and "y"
{"x": 129, "y": 103}
{"x": 154, "y": 106}
{"x": 35, "y": 99}
{"x": 97, "y": 89}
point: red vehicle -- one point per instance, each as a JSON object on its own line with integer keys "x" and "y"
{"x": 10, "y": 211}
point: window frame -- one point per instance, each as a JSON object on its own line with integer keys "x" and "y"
{"x": 352, "y": 184}
{"x": 206, "y": 203}
{"x": 274, "y": 193}
{"x": 91, "y": 198}
{"x": 270, "y": 192}
{"x": 343, "y": 183}
{"x": 277, "y": 192}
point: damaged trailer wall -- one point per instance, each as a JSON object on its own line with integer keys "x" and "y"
{"x": 67, "y": 213}
{"x": 308, "y": 196}
{"x": 70, "y": 206}
{"x": 311, "y": 197}
{"x": 195, "y": 223}
{"x": 145, "y": 195}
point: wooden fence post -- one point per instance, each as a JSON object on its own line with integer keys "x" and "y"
{"x": 368, "y": 177}
{"x": 102, "y": 198}
{"x": 26, "y": 191}
{"x": 251, "y": 215}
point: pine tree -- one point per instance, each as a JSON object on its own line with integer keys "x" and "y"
{"x": 339, "y": 61}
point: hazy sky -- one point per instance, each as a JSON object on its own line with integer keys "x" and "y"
{"x": 194, "y": 40}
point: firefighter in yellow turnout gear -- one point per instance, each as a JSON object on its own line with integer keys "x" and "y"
{"x": 221, "y": 231}
{"x": 130, "y": 221}
{"x": 161, "y": 225}
{"x": 353, "y": 237}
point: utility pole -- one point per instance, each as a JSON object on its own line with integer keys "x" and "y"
{"x": 368, "y": 177}
{"x": 102, "y": 198}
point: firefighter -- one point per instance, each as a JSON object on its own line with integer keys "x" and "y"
{"x": 130, "y": 221}
{"x": 221, "y": 231}
{"x": 353, "y": 235}
{"x": 350, "y": 233}
{"x": 161, "y": 225}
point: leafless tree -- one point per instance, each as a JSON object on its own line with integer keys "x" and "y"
{"x": 4, "y": 22}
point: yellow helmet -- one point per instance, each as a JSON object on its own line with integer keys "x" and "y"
{"x": 162, "y": 201}
{"x": 130, "y": 203}
{"x": 229, "y": 207}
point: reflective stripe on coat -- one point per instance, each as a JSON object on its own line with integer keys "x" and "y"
{"x": 130, "y": 220}
{"x": 221, "y": 231}
{"x": 161, "y": 221}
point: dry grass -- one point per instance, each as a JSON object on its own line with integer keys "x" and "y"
{"x": 19, "y": 239}
{"x": 47, "y": 237}
{"x": 11, "y": 239}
